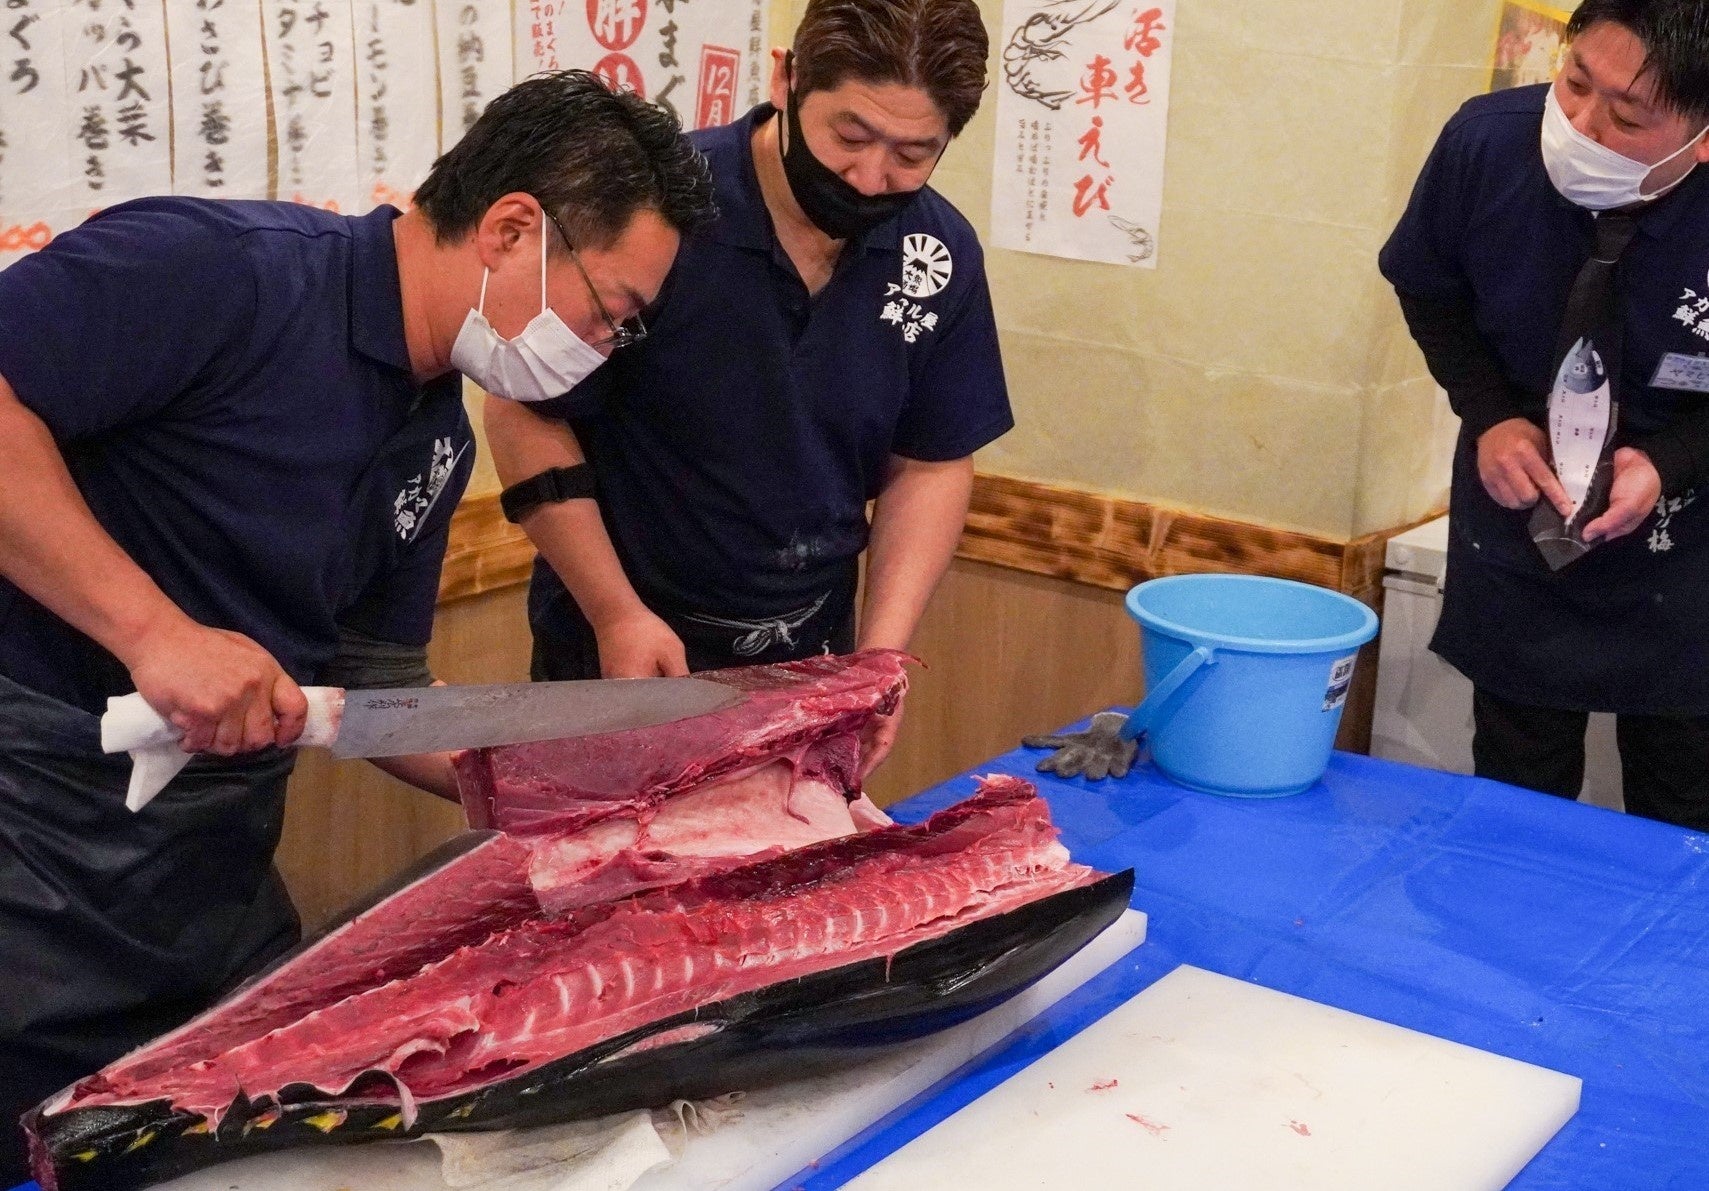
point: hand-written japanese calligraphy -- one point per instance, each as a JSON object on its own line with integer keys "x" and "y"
{"x": 663, "y": 97}
{"x": 1143, "y": 41}
{"x": 19, "y": 238}
{"x": 1098, "y": 83}
{"x": 1091, "y": 142}
{"x": 1089, "y": 193}
{"x": 667, "y": 55}
{"x": 615, "y": 24}
{"x": 1142, "y": 34}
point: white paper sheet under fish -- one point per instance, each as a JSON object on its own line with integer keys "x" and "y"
{"x": 1202, "y": 1081}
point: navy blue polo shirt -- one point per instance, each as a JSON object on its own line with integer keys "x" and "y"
{"x": 1622, "y": 629}
{"x": 1486, "y": 226}
{"x": 230, "y": 387}
{"x": 737, "y": 446}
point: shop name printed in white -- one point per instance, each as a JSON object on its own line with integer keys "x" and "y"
{"x": 415, "y": 500}
{"x": 1667, "y": 508}
{"x": 926, "y": 270}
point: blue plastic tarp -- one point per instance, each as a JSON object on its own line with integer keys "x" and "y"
{"x": 1562, "y": 935}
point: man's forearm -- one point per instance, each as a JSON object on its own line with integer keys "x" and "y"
{"x": 916, "y": 525}
{"x": 570, "y": 535}
{"x": 55, "y": 551}
{"x": 425, "y": 771}
{"x": 1465, "y": 366}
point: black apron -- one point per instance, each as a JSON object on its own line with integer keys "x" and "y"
{"x": 116, "y": 927}
{"x": 1624, "y": 629}
{"x": 565, "y": 646}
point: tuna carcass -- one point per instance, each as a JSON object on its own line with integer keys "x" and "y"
{"x": 673, "y": 912}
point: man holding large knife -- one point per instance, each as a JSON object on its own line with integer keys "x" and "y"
{"x": 231, "y": 438}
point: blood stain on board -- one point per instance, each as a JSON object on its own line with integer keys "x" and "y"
{"x": 1150, "y": 1127}
{"x": 1103, "y": 1085}
{"x": 1300, "y": 1127}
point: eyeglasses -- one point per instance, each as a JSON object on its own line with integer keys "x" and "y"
{"x": 623, "y": 334}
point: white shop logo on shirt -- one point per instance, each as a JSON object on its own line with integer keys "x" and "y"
{"x": 926, "y": 270}
{"x": 1687, "y": 372}
{"x": 415, "y": 500}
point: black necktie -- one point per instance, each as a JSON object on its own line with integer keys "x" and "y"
{"x": 1584, "y": 405}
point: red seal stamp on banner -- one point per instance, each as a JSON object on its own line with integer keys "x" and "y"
{"x": 619, "y": 72}
{"x": 716, "y": 102}
{"x": 615, "y": 24}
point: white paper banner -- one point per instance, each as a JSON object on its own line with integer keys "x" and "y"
{"x": 311, "y": 67}
{"x": 1082, "y": 120}
{"x": 397, "y": 102}
{"x": 120, "y": 101}
{"x": 219, "y": 99}
{"x": 39, "y": 195}
{"x": 701, "y": 59}
{"x": 476, "y": 62}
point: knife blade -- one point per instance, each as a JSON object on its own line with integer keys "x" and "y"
{"x": 399, "y": 722}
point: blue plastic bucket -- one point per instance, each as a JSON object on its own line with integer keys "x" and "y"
{"x": 1245, "y": 678}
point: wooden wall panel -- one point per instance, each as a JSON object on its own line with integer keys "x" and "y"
{"x": 1027, "y": 633}
{"x": 486, "y": 553}
{"x": 1006, "y": 653}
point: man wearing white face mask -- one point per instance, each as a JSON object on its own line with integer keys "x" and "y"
{"x": 1553, "y": 266}
{"x": 231, "y": 439}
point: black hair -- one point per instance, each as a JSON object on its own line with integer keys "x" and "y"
{"x": 939, "y": 46}
{"x": 592, "y": 156}
{"x": 1675, "y": 34}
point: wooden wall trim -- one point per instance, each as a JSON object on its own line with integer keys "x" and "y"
{"x": 1043, "y": 529}
{"x": 1114, "y": 543}
{"x": 485, "y": 553}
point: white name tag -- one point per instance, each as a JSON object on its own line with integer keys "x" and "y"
{"x": 1680, "y": 371}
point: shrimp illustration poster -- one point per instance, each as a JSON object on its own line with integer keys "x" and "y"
{"x": 1082, "y": 120}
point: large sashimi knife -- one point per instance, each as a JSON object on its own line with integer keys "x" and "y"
{"x": 403, "y": 721}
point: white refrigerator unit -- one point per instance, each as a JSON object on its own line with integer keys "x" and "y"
{"x": 1424, "y": 705}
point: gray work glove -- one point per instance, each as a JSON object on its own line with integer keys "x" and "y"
{"x": 1097, "y": 753}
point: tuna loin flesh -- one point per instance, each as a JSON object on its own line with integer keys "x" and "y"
{"x": 618, "y": 951}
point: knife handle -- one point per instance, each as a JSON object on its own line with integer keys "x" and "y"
{"x": 131, "y": 724}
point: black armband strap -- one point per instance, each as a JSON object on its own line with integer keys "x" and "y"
{"x": 549, "y": 487}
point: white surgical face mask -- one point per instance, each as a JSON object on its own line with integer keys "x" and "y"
{"x": 546, "y": 360}
{"x": 1591, "y": 175}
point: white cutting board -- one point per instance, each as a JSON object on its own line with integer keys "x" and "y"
{"x": 781, "y": 1129}
{"x": 1202, "y": 1081}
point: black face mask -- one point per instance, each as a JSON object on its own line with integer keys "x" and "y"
{"x": 835, "y": 207}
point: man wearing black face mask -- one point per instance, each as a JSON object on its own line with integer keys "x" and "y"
{"x": 829, "y": 341}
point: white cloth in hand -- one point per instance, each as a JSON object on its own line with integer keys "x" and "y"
{"x": 132, "y": 726}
